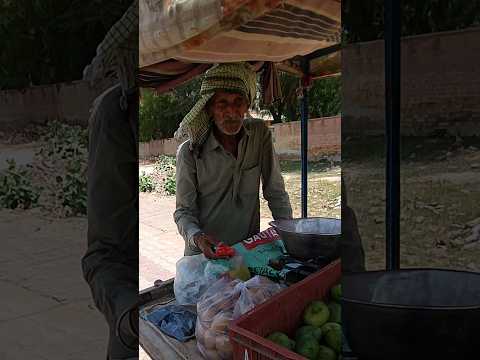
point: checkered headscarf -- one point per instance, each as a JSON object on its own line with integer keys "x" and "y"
{"x": 238, "y": 77}
{"x": 118, "y": 52}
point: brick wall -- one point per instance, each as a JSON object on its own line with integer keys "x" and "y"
{"x": 440, "y": 84}
{"x": 69, "y": 102}
{"x": 324, "y": 138}
{"x": 158, "y": 147}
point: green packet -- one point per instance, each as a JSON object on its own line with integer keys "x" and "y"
{"x": 255, "y": 253}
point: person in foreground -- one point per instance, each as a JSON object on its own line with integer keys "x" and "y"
{"x": 110, "y": 264}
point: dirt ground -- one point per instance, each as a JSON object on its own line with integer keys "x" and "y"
{"x": 440, "y": 212}
{"x": 323, "y": 189}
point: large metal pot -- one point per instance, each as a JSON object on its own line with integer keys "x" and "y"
{"x": 309, "y": 238}
{"x": 412, "y": 314}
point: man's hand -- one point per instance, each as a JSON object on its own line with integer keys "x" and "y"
{"x": 206, "y": 243}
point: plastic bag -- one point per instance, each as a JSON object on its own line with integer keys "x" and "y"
{"x": 254, "y": 292}
{"x": 173, "y": 320}
{"x": 216, "y": 268}
{"x": 223, "y": 302}
{"x": 190, "y": 281}
{"x": 214, "y": 313}
{"x": 195, "y": 273}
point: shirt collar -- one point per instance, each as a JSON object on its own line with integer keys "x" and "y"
{"x": 212, "y": 143}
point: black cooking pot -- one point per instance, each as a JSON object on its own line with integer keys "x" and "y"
{"x": 309, "y": 238}
{"x": 412, "y": 314}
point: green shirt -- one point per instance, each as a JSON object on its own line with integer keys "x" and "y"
{"x": 219, "y": 194}
{"x": 110, "y": 264}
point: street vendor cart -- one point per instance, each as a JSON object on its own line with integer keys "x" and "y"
{"x": 183, "y": 39}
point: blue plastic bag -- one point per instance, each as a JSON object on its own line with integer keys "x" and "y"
{"x": 174, "y": 320}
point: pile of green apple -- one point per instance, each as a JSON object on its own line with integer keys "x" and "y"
{"x": 320, "y": 336}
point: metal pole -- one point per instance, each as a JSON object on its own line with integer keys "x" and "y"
{"x": 304, "y": 136}
{"x": 392, "y": 129}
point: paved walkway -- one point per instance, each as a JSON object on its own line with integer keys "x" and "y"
{"x": 46, "y": 309}
{"x": 160, "y": 244}
{"x": 23, "y": 154}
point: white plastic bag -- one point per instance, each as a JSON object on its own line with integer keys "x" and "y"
{"x": 223, "y": 302}
{"x": 190, "y": 282}
{"x": 254, "y": 292}
{"x": 195, "y": 273}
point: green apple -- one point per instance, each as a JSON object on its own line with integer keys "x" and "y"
{"x": 282, "y": 340}
{"x": 316, "y": 313}
{"x": 308, "y": 330}
{"x": 333, "y": 336}
{"x": 325, "y": 353}
{"x": 308, "y": 347}
{"x": 336, "y": 292}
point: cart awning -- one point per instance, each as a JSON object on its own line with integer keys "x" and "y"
{"x": 180, "y": 39}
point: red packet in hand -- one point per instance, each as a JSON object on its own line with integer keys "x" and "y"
{"x": 223, "y": 250}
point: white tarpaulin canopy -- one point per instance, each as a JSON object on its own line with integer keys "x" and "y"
{"x": 177, "y": 36}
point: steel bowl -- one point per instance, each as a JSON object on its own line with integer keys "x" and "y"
{"x": 309, "y": 238}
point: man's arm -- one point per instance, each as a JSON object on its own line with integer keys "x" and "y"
{"x": 186, "y": 213}
{"x": 110, "y": 265}
{"x": 272, "y": 180}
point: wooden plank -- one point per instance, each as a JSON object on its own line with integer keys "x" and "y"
{"x": 161, "y": 347}
{"x": 157, "y": 292}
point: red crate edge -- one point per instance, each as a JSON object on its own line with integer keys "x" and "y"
{"x": 259, "y": 342}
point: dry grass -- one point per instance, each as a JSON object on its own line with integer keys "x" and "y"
{"x": 323, "y": 190}
{"x": 440, "y": 206}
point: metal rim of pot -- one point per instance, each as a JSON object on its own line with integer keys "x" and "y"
{"x": 273, "y": 224}
{"x": 412, "y": 307}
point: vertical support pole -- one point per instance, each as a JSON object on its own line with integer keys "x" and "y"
{"x": 392, "y": 128}
{"x": 304, "y": 134}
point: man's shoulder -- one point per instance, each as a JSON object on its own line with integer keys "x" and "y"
{"x": 183, "y": 149}
{"x": 106, "y": 107}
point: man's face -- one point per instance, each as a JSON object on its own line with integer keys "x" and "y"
{"x": 228, "y": 111}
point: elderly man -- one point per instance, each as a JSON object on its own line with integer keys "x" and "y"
{"x": 219, "y": 168}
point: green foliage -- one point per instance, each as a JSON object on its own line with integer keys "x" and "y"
{"x": 165, "y": 166}
{"x": 49, "y": 41}
{"x": 165, "y": 163}
{"x": 160, "y": 115}
{"x": 363, "y": 20}
{"x": 169, "y": 185}
{"x": 61, "y": 166}
{"x": 146, "y": 183}
{"x": 324, "y": 99}
{"x": 16, "y": 188}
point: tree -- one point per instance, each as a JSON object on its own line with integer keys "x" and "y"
{"x": 363, "y": 20}
{"x": 324, "y": 99}
{"x": 160, "y": 115}
{"x": 50, "y": 41}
